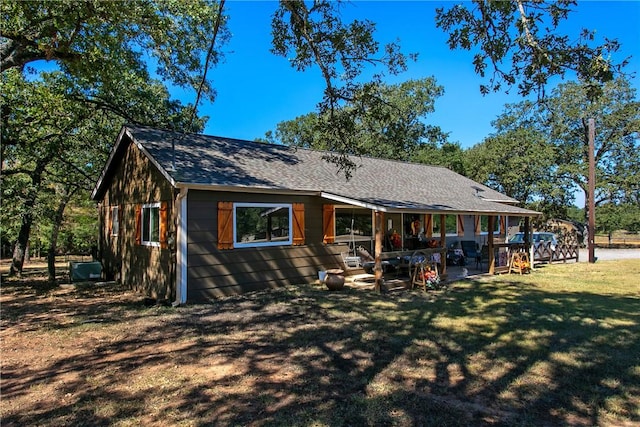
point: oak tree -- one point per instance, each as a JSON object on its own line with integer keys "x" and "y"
{"x": 519, "y": 43}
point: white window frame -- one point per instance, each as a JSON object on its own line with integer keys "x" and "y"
{"x": 356, "y": 237}
{"x": 497, "y": 222}
{"x": 439, "y": 233}
{"x": 115, "y": 220}
{"x": 288, "y": 242}
{"x": 144, "y": 226}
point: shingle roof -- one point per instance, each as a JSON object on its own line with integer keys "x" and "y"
{"x": 203, "y": 161}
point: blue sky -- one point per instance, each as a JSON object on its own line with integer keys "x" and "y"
{"x": 257, "y": 89}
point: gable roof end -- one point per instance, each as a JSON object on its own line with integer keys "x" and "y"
{"x": 117, "y": 152}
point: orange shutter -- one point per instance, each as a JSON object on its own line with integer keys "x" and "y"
{"x": 460, "y": 225}
{"x": 138, "y": 224}
{"x": 225, "y": 225}
{"x": 163, "y": 225}
{"x": 503, "y": 224}
{"x": 428, "y": 225}
{"x": 298, "y": 223}
{"x": 478, "y": 224}
{"x": 328, "y": 224}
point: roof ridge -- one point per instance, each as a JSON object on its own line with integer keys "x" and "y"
{"x": 292, "y": 147}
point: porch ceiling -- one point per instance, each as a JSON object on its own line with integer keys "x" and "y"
{"x": 465, "y": 207}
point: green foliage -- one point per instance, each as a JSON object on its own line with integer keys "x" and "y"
{"x": 539, "y": 154}
{"x": 79, "y": 229}
{"x": 57, "y": 132}
{"x": 101, "y": 41}
{"x": 447, "y": 154}
{"x": 518, "y": 162}
{"x": 519, "y": 43}
{"x": 576, "y": 214}
{"x": 57, "y": 128}
{"x": 314, "y": 35}
{"x": 611, "y": 217}
{"x": 391, "y": 127}
{"x": 617, "y": 118}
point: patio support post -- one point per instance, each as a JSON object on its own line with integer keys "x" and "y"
{"x": 443, "y": 243}
{"x": 379, "y": 223}
{"x": 527, "y": 239}
{"x": 492, "y": 258}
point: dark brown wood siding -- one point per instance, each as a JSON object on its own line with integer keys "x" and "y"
{"x": 213, "y": 273}
{"x": 148, "y": 269}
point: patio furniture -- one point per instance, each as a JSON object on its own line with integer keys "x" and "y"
{"x": 351, "y": 261}
{"x": 519, "y": 263}
{"x": 388, "y": 266}
{"x": 455, "y": 256}
{"x": 470, "y": 249}
{"x": 484, "y": 255}
{"x": 425, "y": 275}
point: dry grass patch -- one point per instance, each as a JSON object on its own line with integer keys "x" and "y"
{"x": 558, "y": 346}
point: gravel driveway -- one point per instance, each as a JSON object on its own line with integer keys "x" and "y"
{"x": 605, "y": 254}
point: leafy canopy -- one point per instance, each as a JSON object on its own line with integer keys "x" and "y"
{"x": 312, "y": 34}
{"x": 100, "y": 41}
{"x": 390, "y": 127}
{"x": 519, "y": 43}
{"x": 540, "y": 151}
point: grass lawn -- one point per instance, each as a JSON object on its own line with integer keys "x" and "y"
{"x": 560, "y": 346}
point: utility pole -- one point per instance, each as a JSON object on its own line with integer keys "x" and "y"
{"x": 592, "y": 191}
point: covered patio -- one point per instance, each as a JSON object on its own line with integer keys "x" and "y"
{"x": 388, "y": 239}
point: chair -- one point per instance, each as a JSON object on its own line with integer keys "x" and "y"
{"x": 484, "y": 255}
{"x": 351, "y": 261}
{"x": 470, "y": 249}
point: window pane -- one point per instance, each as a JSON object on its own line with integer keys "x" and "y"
{"x": 450, "y": 223}
{"x": 154, "y": 225}
{"x": 115, "y": 225}
{"x": 262, "y": 224}
{"x": 151, "y": 224}
{"x": 413, "y": 225}
{"x": 484, "y": 224}
{"x": 357, "y": 221}
{"x": 145, "y": 224}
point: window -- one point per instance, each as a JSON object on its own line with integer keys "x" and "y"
{"x": 353, "y": 225}
{"x": 115, "y": 221}
{"x": 413, "y": 225}
{"x": 450, "y": 223}
{"x": 151, "y": 224}
{"x": 484, "y": 224}
{"x": 262, "y": 224}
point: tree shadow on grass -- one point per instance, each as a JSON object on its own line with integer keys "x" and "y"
{"x": 486, "y": 353}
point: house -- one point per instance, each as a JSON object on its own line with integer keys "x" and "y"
{"x": 191, "y": 217}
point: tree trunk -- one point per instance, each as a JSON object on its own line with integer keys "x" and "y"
{"x": 55, "y": 231}
{"x": 21, "y": 246}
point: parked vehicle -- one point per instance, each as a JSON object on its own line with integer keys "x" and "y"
{"x": 544, "y": 244}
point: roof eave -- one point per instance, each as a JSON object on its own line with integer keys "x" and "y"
{"x": 107, "y": 167}
{"x": 353, "y": 202}
{"x": 98, "y": 191}
{"x": 162, "y": 170}
{"x": 245, "y": 189}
